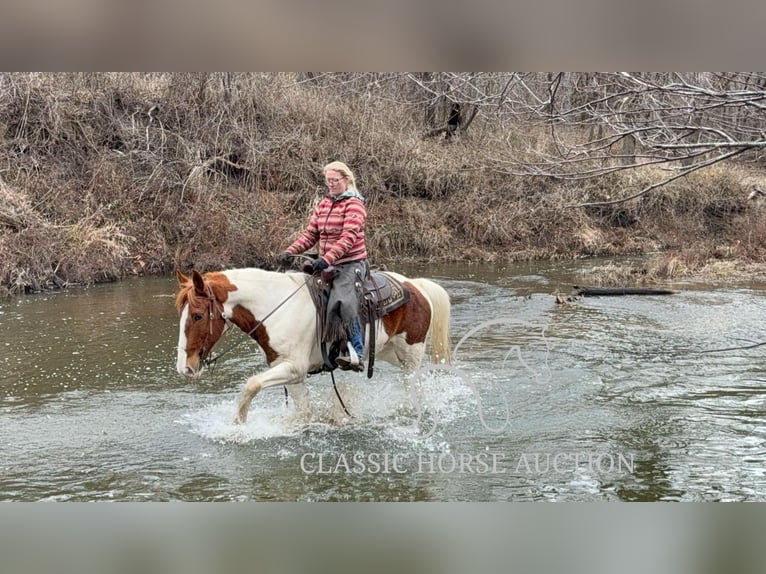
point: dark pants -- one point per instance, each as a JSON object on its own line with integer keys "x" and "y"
{"x": 343, "y": 303}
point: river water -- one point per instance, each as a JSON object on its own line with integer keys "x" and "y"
{"x": 604, "y": 398}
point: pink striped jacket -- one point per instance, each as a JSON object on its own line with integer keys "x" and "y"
{"x": 337, "y": 224}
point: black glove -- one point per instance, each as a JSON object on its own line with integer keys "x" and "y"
{"x": 284, "y": 259}
{"x": 319, "y": 265}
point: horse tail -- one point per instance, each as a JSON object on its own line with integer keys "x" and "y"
{"x": 441, "y": 346}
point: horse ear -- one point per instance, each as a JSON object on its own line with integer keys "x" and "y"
{"x": 199, "y": 282}
{"x": 181, "y": 277}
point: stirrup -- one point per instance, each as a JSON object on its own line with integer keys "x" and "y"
{"x": 350, "y": 361}
{"x": 358, "y": 368}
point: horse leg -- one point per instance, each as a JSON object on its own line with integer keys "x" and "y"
{"x": 409, "y": 357}
{"x": 282, "y": 374}
{"x": 300, "y": 396}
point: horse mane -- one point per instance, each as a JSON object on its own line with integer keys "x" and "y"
{"x": 217, "y": 282}
{"x": 186, "y": 295}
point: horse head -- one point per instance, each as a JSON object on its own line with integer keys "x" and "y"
{"x": 200, "y": 305}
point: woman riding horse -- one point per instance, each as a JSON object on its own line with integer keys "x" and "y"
{"x": 337, "y": 226}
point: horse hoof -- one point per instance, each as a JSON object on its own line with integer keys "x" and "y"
{"x": 238, "y": 420}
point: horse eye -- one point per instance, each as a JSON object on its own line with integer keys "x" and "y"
{"x": 197, "y": 316}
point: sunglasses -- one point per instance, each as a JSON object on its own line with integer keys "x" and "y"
{"x": 333, "y": 181}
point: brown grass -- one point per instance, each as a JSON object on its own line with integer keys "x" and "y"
{"x": 110, "y": 175}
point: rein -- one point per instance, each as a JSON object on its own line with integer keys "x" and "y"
{"x": 337, "y": 394}
{"x": 210, "y": 361}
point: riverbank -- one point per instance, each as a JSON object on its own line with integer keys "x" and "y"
{"x": 115, "y": 175}
{"x": 669, "y": 268}
{"x": 209, "y": 234}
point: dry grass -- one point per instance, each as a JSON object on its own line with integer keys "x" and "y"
{"x": 673, "y": 267}
{"x": 16, "y": 211}
{"x": 115, "y": 174}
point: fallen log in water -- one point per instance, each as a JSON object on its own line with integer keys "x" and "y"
{"x": 612, "y": 291}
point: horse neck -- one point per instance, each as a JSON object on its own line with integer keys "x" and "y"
{"x": 260, "y": 291}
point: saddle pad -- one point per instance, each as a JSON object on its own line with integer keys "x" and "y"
{"x": 385, "y": 293}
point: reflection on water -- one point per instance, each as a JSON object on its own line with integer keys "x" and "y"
{"x": 600, "y": 399}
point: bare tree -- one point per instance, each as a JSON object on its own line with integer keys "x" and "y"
{"x": 577, "y": 126}
{"x": 683, "y": 122}
{"x": 447, "y": 102}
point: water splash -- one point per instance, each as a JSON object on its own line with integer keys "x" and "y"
{"x": 400, "y": 408}
{"x": 216, "y": 422}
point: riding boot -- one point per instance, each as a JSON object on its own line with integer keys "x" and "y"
{"x": 353, "y": 359}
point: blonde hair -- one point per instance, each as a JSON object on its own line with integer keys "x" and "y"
{"x": 342, "y": 169}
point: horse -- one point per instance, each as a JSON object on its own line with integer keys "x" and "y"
{"x": 277, "y": 311}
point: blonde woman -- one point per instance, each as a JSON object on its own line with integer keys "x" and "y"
{"x": 337, "y": 227}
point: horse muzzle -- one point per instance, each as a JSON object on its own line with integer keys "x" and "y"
{"x": 190, "y": 369}
{"x": 190, "y": 373}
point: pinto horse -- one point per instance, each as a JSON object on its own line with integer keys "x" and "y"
{"x": 276, "y": 309}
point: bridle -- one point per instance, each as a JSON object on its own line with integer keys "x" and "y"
{"x": 211, "y": 309}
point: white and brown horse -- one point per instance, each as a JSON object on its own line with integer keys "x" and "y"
{"x": 288, "y": 335}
